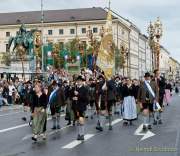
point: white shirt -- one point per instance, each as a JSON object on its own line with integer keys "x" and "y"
{"x": 11, "y": 87}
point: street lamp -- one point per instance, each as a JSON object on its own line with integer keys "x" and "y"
{"x": 42, "y": 38}
{"x": 77, "y": 57}
{"x": 66, "y": 57}
{"x": 158, "y": 35}
{"x": 150, "y": 31}
{"x": 155, "y": 33}
{"x": 91, "y": 43}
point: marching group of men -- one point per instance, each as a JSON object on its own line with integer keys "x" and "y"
{"x": 100, "y": 96}
{"x": 103, "y": 97}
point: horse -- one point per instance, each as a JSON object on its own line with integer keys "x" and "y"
{"x": 25, "y": 40}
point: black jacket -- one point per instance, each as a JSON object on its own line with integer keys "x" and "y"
{"x": 81, "y": 103}
{"x": 41, "y": 101}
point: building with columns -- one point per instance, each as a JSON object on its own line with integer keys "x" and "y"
{"x": 61, "y": 26}
{"x": 142, "y": 55}
{"x": 148, "y": 56}
{"x": 164, "y": 61}
{"x": 172, "y": 68}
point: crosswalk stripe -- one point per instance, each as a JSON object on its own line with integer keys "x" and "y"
{"x": 76, "y": 142}
{"x": 115, "y": 122}
{"x": 86, "y": 137}
{"x": 19, "y": 126}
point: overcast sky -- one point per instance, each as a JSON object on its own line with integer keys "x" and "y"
{"x": 140, "y": 12}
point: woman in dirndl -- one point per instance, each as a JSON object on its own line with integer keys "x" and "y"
{"x": 129, "y": 111}
{"x": 39, "y": 106}
{"x": 167, "y": 95}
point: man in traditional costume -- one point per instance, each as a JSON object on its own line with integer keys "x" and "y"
{"x": 56, "y": 100}
{"x": 147, "y": 97}
{"x": 80, "y": 99}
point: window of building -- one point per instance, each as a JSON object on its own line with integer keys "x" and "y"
{"x": 6, "y": 47}
{"x": 50, "y": 32}
{"x": 61, "y": 31}
{"x": 72, "y": 31}
{"x": 83, "y": 30}
{"x": 95, "y": 30}
{"x": 7, "y": 34}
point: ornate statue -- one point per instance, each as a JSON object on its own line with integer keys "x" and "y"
{"x": 23, "y": 38}
{"x": 23, "y": 43}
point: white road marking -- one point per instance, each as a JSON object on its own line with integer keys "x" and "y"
{"x": 77, "y": 142}
{"x": 10, "y": 114}
{"x": 27, "y": 137}
{"x": 115, "y": 122}
{"x": 145, "y": 135}
{"x": 13, "y": 128}
{"x": 86, "y": 137}
{"x": 19, "y": 126}
{"x": 53, "y": 132}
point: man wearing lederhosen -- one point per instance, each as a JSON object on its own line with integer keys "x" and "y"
{"x": 56, "y": 100}
{"x": 106, "y": 99}
{"x": 147, "y": 96}
{"x": 80, "y": 99}
{"x": 92, "y": 96}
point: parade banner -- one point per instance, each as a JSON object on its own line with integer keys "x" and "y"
{"x": 105, "y": 59}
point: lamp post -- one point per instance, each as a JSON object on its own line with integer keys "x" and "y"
{"x": 155, "y": 33}
{"x": 42, "y": 38}
{"x": 151, "y": 43}
{"x": 158, "y": 35}
{"x": 90, "y": 36}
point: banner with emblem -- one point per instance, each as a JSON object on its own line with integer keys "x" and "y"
{"x": 105, "y": 60}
